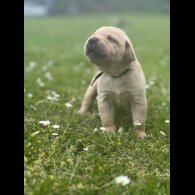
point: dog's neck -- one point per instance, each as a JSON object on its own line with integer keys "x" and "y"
{"x": 120, "y": 74}
{"x": 113, "y": 76}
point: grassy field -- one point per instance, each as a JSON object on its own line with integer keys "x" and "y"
{"x": 77, "y": 158}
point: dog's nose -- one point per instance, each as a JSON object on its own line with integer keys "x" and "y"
{"x": 93, "y": 40}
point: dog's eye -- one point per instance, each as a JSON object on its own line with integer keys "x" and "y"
{"x": 112, "y": 39}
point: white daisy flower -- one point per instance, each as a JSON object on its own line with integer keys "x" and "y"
{"x": 33, "y": 107}
{"x": 54, "y": 133}
{"x": 68, "y": 105}
{"x": 163, "y": 133}
{"x": 55, "y": 94}
{"x": 147, "y": 86}
{"x": 95, "y": 130}
{"x": 48, "y": 76}
{"x": 52, "y": 95}
{"x": 30, "y": 95}
{"x": 167, "y": 121}
{"x": 40, "y": 82}
{"x": 164, "y": 104}
{"x": 35, "y": 133}
{"x": 44, "y": 123}
{"x": 137, "y": 123}
{"x": 31, "y": 66}
{"x": 120, "y": 130}
{"x": 52, "y": 98}
{"x": 49, "y": 97}
{"x": 86, "y": 149}
{"x": 151, "y": 82}
{"x": 122, "y": 180}
{"x": 102, "y": 128}
{"x": 56, "y": 126}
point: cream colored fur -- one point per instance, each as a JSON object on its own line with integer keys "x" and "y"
{"x": 112, "y": 54}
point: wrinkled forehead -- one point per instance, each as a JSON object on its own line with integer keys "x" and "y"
{"x": 105, "y": 31}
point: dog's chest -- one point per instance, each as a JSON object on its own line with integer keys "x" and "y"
{"x": 117, "y": 90}
{"x": 116, "y": 86}
{"x": 121, "y": 100}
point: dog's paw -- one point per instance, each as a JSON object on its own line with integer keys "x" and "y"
{"x": 110, "y": 130}
{"x": 83, "y": 112}
{"x": 141, "y": 134}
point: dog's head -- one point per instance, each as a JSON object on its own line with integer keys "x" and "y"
{"x": 109, "y": 46}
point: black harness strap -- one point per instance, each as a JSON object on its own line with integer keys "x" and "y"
{"x": 96, "y": 77}
{"x": 100, "y": 74}
{"x": 125, "y": 71}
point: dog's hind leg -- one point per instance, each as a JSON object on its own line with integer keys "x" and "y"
{"x": 139, "y": 112}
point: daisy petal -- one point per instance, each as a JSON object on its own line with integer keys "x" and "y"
{"x": 122, "y": 180}
{"x": 56, "y": 126}
{"x": 68, "y": 105}
{"x": 44, "y": 123}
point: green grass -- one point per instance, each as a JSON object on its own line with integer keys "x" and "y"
{"x": 57, "y": 164}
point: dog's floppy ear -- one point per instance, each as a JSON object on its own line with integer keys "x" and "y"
{"x": 129, "y": 53}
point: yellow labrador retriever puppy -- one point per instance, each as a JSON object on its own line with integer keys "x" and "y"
{"x": 120, "y": 80}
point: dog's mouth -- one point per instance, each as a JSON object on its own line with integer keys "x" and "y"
{"x": 91, "y": 51}
{"x": 94, "y": 51}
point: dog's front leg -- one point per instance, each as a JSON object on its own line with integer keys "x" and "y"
{"x": 89, "y": 97}
{"x": 139, "y": 112}
{"x": 106, "y": 111}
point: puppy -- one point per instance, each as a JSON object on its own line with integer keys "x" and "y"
{"x": 120, "y": 80}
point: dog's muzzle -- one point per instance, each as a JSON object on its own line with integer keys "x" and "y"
{"x": 93, "y": 48}
{"x": 93, "y": 41}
